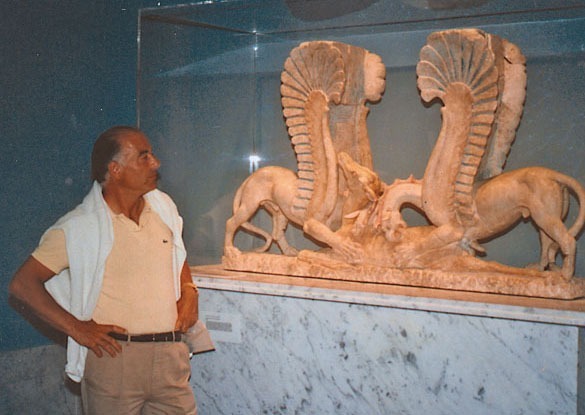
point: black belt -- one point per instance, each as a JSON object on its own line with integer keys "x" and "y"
{"x": 170, "y": 336}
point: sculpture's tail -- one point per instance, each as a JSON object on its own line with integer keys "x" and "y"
{"x": 579, "y": 192}
{"x": 247, "y": 225}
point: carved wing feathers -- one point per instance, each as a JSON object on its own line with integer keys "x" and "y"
{"x": 313, "y": 76}
{"x": 512, "y": 95}
{"x": 457, "y": 66}
{"x": 454, "y": 56}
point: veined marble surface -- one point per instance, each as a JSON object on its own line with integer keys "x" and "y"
{"x": 303, "y": 346}
{"x": 282, "y": 355}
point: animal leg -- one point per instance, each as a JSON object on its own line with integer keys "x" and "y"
{"x": 231, "y": 226}
{"x": 556, "y": 230}
{"x": 279, "y": 224}
{"x": 240, "y": 219}
{"x": 548, "y": 252}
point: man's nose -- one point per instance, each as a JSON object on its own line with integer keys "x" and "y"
{"x": 154, "y": 162}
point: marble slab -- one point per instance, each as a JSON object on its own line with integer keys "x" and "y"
{"x": 290, "y": 349}
{"x": 567, "y": 312}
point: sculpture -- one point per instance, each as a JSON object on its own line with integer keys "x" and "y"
{"x": 315, "y": 75}
{"x": 273, "y": 188}
{"x": 532, "y": 192}
{"x": 339, "y": 200}
{"x": 463, "y": 209}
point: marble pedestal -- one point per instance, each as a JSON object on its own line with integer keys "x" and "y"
{"x": 307, "y": 346}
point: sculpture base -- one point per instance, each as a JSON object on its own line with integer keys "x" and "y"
{"x": 482, "y": 276}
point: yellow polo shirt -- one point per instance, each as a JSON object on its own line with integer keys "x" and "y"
{"x": 138, "y": 290}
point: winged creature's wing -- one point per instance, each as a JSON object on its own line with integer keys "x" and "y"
{"x": 457, "y": 66}
{"x": 511, "y": 65}
{"x": 313, "y": 77}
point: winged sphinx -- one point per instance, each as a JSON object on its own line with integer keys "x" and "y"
{"x": 325, "y": 86}
{"x": 481, "y": 80}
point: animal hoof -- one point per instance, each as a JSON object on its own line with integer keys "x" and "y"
{"x": 231, "y": 252}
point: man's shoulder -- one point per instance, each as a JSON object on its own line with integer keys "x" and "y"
{"x": 159, "y": 199}
{"x": 91, "y": 209}
{"x": 78, "y": 217}
{"x": 159, "y": 194}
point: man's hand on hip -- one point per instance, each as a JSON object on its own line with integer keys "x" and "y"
{"x": 95, "y": 337}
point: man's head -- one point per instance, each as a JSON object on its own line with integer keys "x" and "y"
{"x": 107, "y": 148}
{"x": 123, "y": 156}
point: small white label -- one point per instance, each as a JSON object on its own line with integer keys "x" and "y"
{"x": 223, "y": 327}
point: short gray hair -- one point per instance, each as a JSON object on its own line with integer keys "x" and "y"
{"x": 106, "y": 149}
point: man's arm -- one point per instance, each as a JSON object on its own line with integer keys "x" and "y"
{"x": 28, "y": 285}
{"x": 188, "y": 304}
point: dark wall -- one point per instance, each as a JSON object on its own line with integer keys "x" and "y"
{"x": 67, "y": 72}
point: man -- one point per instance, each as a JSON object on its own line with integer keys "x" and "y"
{"x": 112, "y": 275}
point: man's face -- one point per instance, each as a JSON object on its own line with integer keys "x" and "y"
{"x": 137, "y": 165}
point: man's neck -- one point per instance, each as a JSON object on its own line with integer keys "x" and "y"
{"x": 126, "y": 203}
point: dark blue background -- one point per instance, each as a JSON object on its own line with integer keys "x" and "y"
{"x": 67, "y": 72}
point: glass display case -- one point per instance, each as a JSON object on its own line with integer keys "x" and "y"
{"x": 208, "y": 96}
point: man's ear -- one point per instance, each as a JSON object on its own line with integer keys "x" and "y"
{"x": 114, "y": 168}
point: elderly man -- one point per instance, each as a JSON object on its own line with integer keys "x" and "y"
{"x": 112, "y": 275}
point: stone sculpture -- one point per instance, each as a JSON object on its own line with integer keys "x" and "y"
{"x": 481, "y": 80}
{"x": 317, "y": 77}
{"x": 339, "y": 200}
